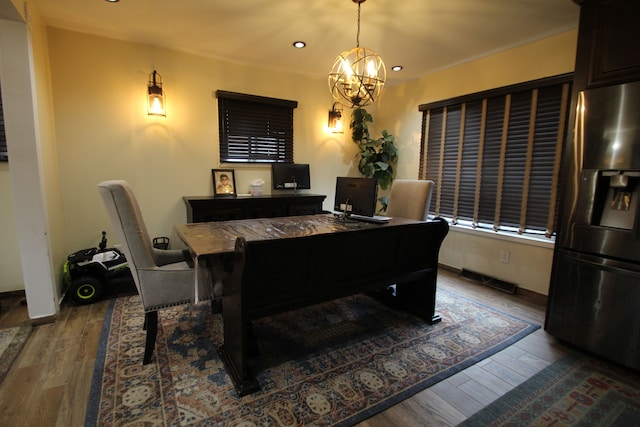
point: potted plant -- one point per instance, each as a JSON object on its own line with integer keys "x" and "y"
{"x": 377, "y": 157}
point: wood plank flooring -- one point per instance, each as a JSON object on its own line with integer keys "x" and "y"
{"x": 49, "y": 382}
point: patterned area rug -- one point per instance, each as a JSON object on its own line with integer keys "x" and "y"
{"x": 11, "y": 342}
{"x": 575, "y": 391}
{"x": 332, "y": 364}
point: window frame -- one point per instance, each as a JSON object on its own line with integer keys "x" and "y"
{"x": 513, "y": 123}
{"x": 254, "y": 129}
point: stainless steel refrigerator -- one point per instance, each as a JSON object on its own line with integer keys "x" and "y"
{"x": 594, "y": 297}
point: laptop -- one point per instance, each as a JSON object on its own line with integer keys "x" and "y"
{"x": 378, "y": 219}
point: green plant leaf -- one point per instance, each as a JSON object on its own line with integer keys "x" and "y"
{"x": 383, "y": 166}
{"x": 377, "y": 156}
{"x": 358, "y": 125}
{"x": 369, "y": 170}
{"x": 391, "y": 149}
{"x": 384, "y": 202}
{"x": 384, "y": 180}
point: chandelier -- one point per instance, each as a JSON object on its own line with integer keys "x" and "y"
{"x": 357, "y": 76}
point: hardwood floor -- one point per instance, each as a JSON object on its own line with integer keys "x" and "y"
{"x": 453, "y": 400}
{"x": 49, "y": 382}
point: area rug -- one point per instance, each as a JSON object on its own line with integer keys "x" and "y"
{"x": 331, "y": 364}
{"x": 11, "y": 342}
{"x": 577, "y": 390}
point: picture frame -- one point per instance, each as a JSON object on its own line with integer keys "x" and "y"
{"x": 224, "y": 182}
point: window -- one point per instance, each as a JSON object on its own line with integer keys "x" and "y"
{"x": 255, "y": 128}
{"x": 495, "y": 156}
{"x": 4, "y": 154}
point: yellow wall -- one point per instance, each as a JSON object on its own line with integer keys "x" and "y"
{"x": 10, "y": 269}
{"x": 397, "y": 109}
{"x": 48, "y": 150}
{"x": 32, "y": 193}
{"x": 11, "y": 278}
{"x": 103, "y": 131}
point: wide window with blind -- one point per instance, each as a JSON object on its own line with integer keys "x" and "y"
{"x": 494, "y": 156}
{"x": 255, "y": 129}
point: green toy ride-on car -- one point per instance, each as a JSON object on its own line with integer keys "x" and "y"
{"x": 88, "y": 272}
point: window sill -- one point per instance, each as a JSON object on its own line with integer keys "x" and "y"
{"x": 542, "y": 242}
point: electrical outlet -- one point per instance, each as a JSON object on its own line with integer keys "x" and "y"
{"x": 504, "y": 257}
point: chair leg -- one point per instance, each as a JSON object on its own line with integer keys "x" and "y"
{"x": 151, "y": 325}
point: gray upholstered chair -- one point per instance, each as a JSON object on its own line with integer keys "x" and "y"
{"x": 410, "y": 198}
{"x": 163, "y": 277}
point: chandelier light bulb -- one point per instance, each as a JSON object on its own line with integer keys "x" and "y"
{"x": 156, "y": 108}
{"x": 357, "y": 77}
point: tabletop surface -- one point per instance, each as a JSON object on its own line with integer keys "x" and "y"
{"x": 205, "y": 238}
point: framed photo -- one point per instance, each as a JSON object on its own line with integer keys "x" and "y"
{"x": 224, "y": 182}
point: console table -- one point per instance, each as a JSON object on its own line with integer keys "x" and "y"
{"x": 207, "y": 208}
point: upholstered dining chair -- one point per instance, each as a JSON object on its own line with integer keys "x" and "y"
{"x": 410, "y": 198}
{"x": 163, "y": 277}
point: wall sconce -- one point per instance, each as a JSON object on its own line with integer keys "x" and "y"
{"x": 335, "y": 119}
{"x": 155, "y": 96}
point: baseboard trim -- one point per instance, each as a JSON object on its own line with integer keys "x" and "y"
{"x": 13, "y": 294}
{"x": 492, "y": 282}
{"x": 525, "y": 293}
{"x": 44, "y": 320}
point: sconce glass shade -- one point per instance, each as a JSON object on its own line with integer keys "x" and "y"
{"x": 155, "y": 96}
{"x": 357, "y": 77}
{"x": 335, "y": 120}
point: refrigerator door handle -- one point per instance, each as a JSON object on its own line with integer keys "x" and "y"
{"x": 606, "y": 264}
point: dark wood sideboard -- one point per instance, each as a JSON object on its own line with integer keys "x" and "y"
{"x": 207, "y": 208}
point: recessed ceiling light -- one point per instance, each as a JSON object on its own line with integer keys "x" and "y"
{"x": 299, "y": 44}
{"x": 396, "y": 68}
{"x": 112, "y": 1}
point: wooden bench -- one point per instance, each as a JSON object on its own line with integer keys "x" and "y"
{"x": 274, "y": 276}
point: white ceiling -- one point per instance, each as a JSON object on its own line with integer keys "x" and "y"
{"x": 421, "y": 35}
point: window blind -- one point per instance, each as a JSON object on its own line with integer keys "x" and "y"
{"x": 495, "y": 156}
{"x": 254, "y": 128}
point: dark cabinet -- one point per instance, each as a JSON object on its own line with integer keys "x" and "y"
{"x": 206, "y": 209}
{"x": 608, "y": 42}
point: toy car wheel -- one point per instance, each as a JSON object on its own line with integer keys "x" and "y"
{"x": 86, "y": 289}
